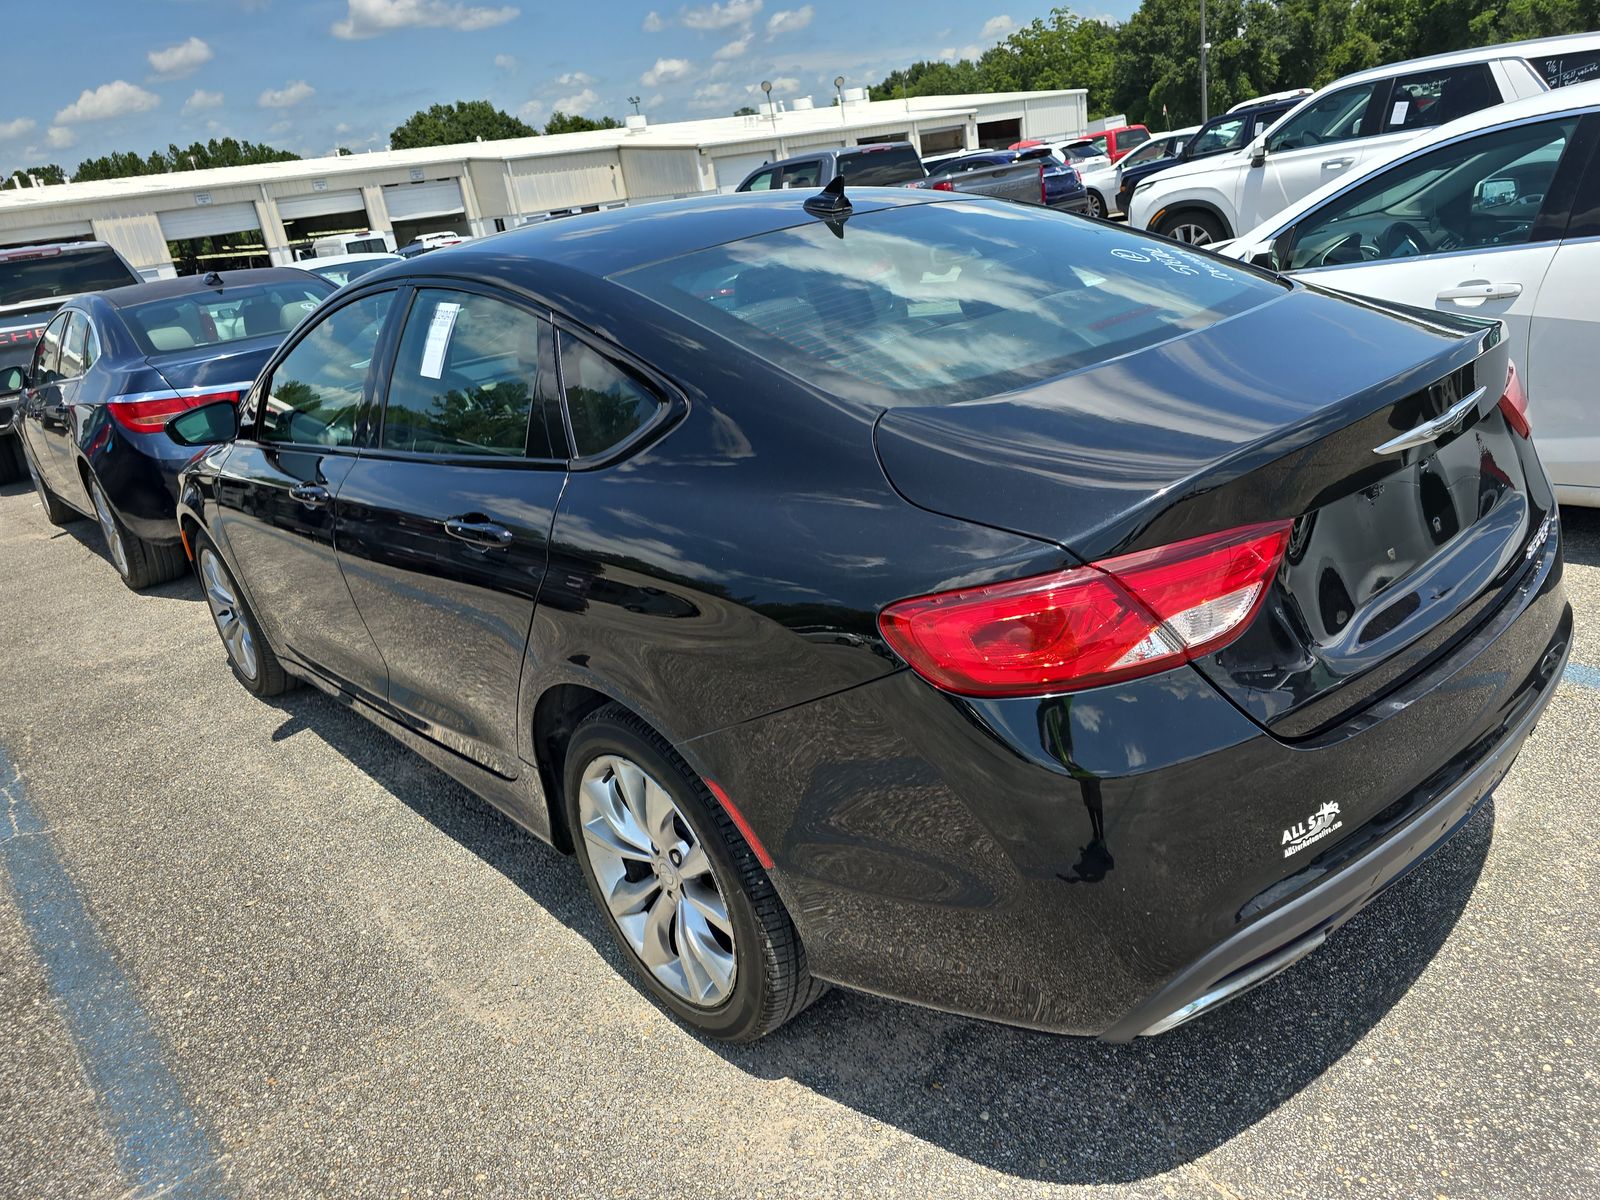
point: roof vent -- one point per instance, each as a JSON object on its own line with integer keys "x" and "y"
{"x": 855, "y": 95}
{"x": 803, "y": 104}
{"x": 636, "y": 122}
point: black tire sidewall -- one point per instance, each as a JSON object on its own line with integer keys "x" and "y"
{"x": 739, "y": 1016}
{"x": 1196, "y": 217}
{"x": 266, "y": 660}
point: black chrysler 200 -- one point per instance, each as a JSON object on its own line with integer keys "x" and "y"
{"x": 953, "y": 600}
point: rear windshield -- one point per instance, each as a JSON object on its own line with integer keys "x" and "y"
{"x": 60, "y": 273}
{"x": 1130, "y": 138}
{"x": 213, "y": 318}
{"x": 881, "y": 167}
{"x": 946, "y": 302}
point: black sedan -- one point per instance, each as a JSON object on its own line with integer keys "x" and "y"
{"x": 954, "y": 600}
{"x": 113, "y": 366}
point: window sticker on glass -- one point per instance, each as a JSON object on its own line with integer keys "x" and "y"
{"x": 1398, "y": 116}
{"x": 439, "y": 330}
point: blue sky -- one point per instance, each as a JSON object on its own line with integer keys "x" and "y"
{"x": 308, "y": 75}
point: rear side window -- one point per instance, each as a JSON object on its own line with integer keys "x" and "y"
{"x": 883, "y": 167}
{"x": 230, "y": 314}
{"x": 1560, "y": 70}
{"x": 606, "y": 402}
{"x": 806, "y": 174}
{"x": 1431, "y": 98}
{"x": 940, "y": 303}
{"x": 44, "y": 273}
{"x": 469, "y": 376}
{"x": 316, "y": 391}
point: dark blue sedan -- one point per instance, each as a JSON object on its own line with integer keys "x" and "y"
{"x": 109, "y": 371}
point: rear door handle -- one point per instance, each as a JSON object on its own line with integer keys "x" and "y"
{"x": 476, "y": 531}
{"x": 1481, "y": 291}
{"x": 312, "y": 495}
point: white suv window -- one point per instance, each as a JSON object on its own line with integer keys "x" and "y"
{"x": 1430, "y": 98}
{"x": 1335, "y": 117}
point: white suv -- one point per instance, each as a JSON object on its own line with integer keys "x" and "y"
{"x": 1347, "y": 122}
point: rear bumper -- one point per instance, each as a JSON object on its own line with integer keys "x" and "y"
{"x": 142, "y": 486}
{"x": 1096, "y": 863}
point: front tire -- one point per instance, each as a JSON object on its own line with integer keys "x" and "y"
{"x": 141, "y": 564}
{"x": 1097, "y": 205}
{"x": 1194, "y": 228}
{"x": 250, "y": 655}
{"x": 684, "y": 897}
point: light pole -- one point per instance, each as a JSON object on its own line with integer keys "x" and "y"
{"x": 766, "y": 86}
{"x": 838, "y": 87}
{"x": 1205, "y": 53}
{"x": 634, "y": 100}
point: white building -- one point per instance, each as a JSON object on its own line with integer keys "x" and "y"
{"x": 236, "y": 216}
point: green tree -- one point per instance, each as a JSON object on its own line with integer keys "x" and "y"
{"x": 453, "y": 124}
{"x": 747, "y": 111}
{"x": 561, "y": 122}
{"x": 195, "y": 157}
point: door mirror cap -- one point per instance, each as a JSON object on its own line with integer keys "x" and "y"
{"x": 1258, "y": 151}
{"x": 209, "y": 425}
{"x": 13, "y": 379}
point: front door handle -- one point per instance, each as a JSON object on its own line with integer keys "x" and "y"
{"x": 312, "y": 495}
{"x": 1337, "y": 164}
{"x": 1479, "y": 290}
{"x": 477, "y": 531}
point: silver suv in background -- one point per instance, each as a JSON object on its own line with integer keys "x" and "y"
{"x": 1328, "y": 134}
{"x": 882, "y": 164}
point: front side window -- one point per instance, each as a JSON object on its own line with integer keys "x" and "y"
{"x": 1336, "y": 117}
{"x": 1148, "y": 153}
{"x": 1482, "y": 191}
{"x": 1431, "y": 98}
{"x": 74, "y": 347}
{"x": 316, "y": 391}
{"x": 216, "y": 317}
{"x": 47, "y": 358}
{"x": 1223, "y": 135}
{"x": 606, "y": 403}
{"x": 468, "y": 379}
{"x": 940, "y": 303}
{"x": 761, "y": 182}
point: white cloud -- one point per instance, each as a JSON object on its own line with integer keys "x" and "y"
{"x": 60, "y": 138}
{"x": 21, "y": 127}
{"x": 201, "y": 100}
{"x": 733, "y": 49}
{"x": 655, "y": 101}
{"x": 174, "y": 62}
{"x": 666, "y": 70}
{"x": 780, "y": 85}
{"x": 506, "y": 62}
{"x": 653, "y": 22}
{"x": 997, "y": 27}
{"x": 287, "y": 96}
{"x": 720, "y": 16}
{"x": 951, "y": 54}
{"x": 117, "y": 99}
{"x": 580, "y": 79}
{"x": 577, "y": 102}
{"x": 342, "y": 128}
{"x": 791, "y": 21}
{"x": 713, "y": 95}
{"x": 370, "y": 18}
{"x": 278, "y": 127}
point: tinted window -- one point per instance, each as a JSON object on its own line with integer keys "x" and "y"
{"x": 1559, "y": 70}
{"x": 228, "y": 314}
{"x": 948, "y": 302}
{"x": 74, "y": 347}
{"x": 41, "y": 274}
{"x": 881, "y": 167}
{"x": 605, "y": 402}
{"x": 48, "y": 356}
{"x": 1149, "y": 153}
{"x": 1431, "y": 98}
{"x": 1335, "y": 117}
{"x": 342, "y": 273}
{"x": 807, "y": 174}
{"x": 761, "y": 182}
{"x": 316, "y": 390}
{"x": 1483, "y": 191}
{"x": 467, "y": 378}
{"x": 1129, "y": 138}
{"x": 1219, "y": 136}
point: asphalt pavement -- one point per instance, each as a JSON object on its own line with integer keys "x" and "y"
{"x": 258, "y": 949}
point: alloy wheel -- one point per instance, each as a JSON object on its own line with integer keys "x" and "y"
{"x": 1097, "y": 206}
{"x": 224, "y": 605}
{"x": 108, "y": 526}
{"x": 658, "y": 882}
{"x": 1194, "y": 235}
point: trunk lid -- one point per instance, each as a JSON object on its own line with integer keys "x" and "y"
{"x": 1272, "y": 414}
{"x": 218, "y": 365}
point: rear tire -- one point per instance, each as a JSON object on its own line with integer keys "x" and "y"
{"x": 758, "y": 977}
{"x": 56, "y": 511}
{"x": 250, "y": 655}
{"x": 141, "y": 564}
{"x": 13, "y": 465}
{"x": 1194, "y": 228}
{"x": 1097, "y": 205}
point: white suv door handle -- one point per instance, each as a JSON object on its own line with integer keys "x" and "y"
{"x": 1337, "y": 164}
{"x": 1481, "y": 291}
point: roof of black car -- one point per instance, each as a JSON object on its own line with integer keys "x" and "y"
{"x": 619, "y": 239}
{"x": 184, "y": 285}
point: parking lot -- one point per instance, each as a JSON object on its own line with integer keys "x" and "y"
{"x": 258, "y": 949}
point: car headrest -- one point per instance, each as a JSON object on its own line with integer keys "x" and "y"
{"x": 170, "y": 337}
{"x": 289, "y": 315}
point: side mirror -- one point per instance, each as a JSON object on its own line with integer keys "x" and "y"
{"x": 13, "y": 379}
{"x": 209, "y": 425}
{"x": 1258, "y": 151}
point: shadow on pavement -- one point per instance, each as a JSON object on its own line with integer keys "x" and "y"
{"x": 1582, "y": 529}
{"x": 1054, "y": 1109}
{"x": 88, "y": 535}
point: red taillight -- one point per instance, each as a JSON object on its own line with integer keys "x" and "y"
{"x": 149, "y": 411}
{"x": 944, "y": 185}
{"x": 1117, "y": 619}
{"x": 1043, "y": 196}
{"x": 1514, "y": 403}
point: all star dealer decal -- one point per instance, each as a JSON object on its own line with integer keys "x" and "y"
{"x": 1316, "y": 827}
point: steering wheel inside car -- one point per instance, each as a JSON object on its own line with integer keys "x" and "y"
{"x": 1402, "y": 240}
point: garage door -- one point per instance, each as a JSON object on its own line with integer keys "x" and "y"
{"x": 438, "y": 198}
{"x": 732, "y": 169}
{"x": 206, "y": 220}
{"x": 320, "y": 204}
{"x": 33, "y": 235}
